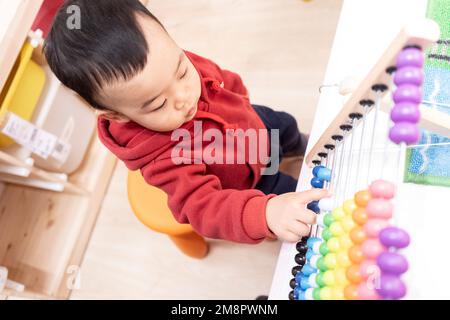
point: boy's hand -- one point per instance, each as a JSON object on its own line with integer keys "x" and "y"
{"x": 287, "y": 215}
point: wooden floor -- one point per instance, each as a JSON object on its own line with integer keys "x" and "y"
{"x": 280, "y": 48}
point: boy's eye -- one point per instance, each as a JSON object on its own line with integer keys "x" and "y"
{"x": 184, "y": 74}
{"x": 160, "y": 106}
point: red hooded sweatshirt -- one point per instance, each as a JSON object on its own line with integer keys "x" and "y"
{"x": 218, "y": 200}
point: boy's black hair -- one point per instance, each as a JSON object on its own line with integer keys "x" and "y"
{"x": 108, "y": 46}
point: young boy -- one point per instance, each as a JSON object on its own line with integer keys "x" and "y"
{"x": 146, "y": 89}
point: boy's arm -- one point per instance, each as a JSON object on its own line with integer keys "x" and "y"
{"x": 197, "y": 198}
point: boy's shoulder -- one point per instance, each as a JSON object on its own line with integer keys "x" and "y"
{"x": 121, "y": 132}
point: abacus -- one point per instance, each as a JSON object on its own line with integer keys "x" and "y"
{"x": 354, "y": 250}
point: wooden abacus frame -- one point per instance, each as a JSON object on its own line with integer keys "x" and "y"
{"x": 423, "y": 34}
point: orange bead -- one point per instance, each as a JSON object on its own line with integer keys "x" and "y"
{"x": 355, "y": 254}
{"x": 358, "y": 235}
{"x": 351, "y": 292}
{"x": 353, "y": 274}
{"x": 362, "y": 197}
{"x": 360, "y": 216}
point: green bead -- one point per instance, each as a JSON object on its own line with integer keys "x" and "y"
{"x": 328, "y": 219}
{"x": 321, "y": 264}
{"x": 326, "y": 234}
{"x": 324, "y": 249}
{"x": 319, "y": 280}
{"x": 316, "y": 294}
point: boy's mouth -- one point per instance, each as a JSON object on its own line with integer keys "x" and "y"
{"x": 191, "y": 111}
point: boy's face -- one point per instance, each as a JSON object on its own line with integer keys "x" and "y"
{"x": 164, "y": 95}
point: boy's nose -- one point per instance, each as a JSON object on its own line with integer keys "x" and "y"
{"x": 179, "y": 105}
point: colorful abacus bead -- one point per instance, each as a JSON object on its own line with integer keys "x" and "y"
{"x": 372, "y": 248}
{"x": 316, "y": 169}
{"x": 324, "y": 174}
{"x": 374, "y": 226}
{"x": 408, "y": 93}
{"x": 366, "y": 292}
{"x": 405, "y": 112}
{"x": 381, "y": 189}
{"x": 391, "y": 287}
{"x": 313, "y": 206}
{"x": 317, "y": 183}
{"x": 394, "y": 237}
{"x": 362, "y": 198}
{"x": 326, "y": 204}
{"x": 409, "y": 75}
{"x": 392, "y": 263}
{"x": 407, "y": 96}
{"x": 325, "y": 220}
{"x": 410, "y": 57}
{"x": 404, "y": 132}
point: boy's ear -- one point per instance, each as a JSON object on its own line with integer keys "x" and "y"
{"x": 112, "y": 115}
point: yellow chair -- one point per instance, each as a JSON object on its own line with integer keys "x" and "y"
{"x": 149, "y": 204}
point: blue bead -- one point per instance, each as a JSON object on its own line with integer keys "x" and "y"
{"x": 299, "y": 276}
{"x": 316, "y": 183}
{"x": 302, "y": 295}
{"x": 304, "y": 283}
{"x": 313, "y": 206}
{"x": 297, "y": 291}
{"x": 316, "y": 170}
{"x": 309, "y": 255}
{"x": 310, "y": 242}
{"x": 324, "y": 174}
{"x": 307, "y": 270}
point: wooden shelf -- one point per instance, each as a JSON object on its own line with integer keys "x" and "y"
{"x": 43, "y": 233}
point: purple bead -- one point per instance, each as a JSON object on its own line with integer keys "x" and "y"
{"x": 409, "y": 75}
{"x": 392, "y": 263}
{"x": 391, "y": 287}
{"x": 404, "y": 132}
{"x": 393, "y": 237}
{"x": 411, "y": 57}
{"x": 408, "y": 93}
{"x": 405, "y": 112}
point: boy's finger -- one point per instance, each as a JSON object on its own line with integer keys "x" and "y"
{"x": 292, "y": 237}
{"x": 307, "y": 216}
{"x": 298, "y": 228}
{"x": 312, "y": 195}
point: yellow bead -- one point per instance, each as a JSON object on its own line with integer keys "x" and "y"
{"x": 336, "y": 229}
{"x": 330, "y": 261}
{"x": 333, "y": 244}
{"x": 338, "y": 293}
{"x": 328, "y": 278}
{"x": 340, "y": 277}
{"x": 347, "y": 223}
{"x": 349, "y": 206}
{"x": 343, "y": 260}
{"x": 326, "y": 293}
{"x": 338, "y": 213}
{"x": 345, "y": 242}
